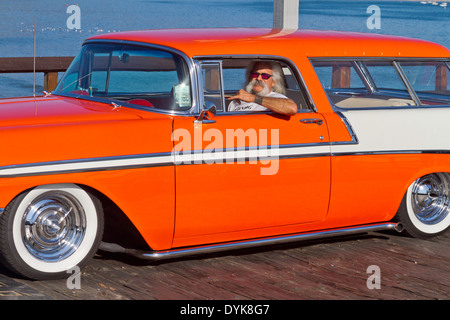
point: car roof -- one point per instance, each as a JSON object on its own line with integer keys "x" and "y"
{"x": 258, "y": 41}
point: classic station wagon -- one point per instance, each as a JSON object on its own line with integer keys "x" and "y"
{"x": 140, "y": 139}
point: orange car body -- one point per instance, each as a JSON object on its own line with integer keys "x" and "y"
{"x": 127, "y": 153}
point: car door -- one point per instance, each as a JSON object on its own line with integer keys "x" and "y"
{"x": 247, "y": 174}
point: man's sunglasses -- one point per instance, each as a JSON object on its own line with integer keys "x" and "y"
{"x": 264, "y": 76}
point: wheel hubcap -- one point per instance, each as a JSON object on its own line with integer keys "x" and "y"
{"x": 53, "y": 226}
{"x": 430, "y": 198}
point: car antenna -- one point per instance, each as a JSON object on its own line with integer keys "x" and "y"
{"x": 34, "y": 58}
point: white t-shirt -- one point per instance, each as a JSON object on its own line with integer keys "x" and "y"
{"x": 251, "y": 106}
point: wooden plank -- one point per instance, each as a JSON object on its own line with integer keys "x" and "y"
{"x": 326, "y": 269}
{"x": 11, "y": 289}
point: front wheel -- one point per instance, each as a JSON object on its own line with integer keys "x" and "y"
{"x": 424, "y": 211}
{"x": 49, "y": 230}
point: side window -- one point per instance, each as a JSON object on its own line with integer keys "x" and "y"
{"x": 384, "y": 76}
{"x": 363, "y": 84}
{"x": 388, "y": 84}
{"x": 382, "y": 83}
{"x": 339, "y": 75}
{"x": 232, "y": 74}
{"x": 429, "y": 79}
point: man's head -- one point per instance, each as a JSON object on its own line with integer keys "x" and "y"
{"x": 265, "y": 77}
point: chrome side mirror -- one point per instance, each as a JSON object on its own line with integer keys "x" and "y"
{"x": 207, "y": 114}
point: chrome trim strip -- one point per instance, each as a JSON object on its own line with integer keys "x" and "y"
{"x": 339, "y": 109}
{"x": 257, "y": 152}
{"x": 191, "y": 157}
{"x": 87, "y": 165}
{"x": 220, "y": 247}
{"x": 349, "y": 129}
{"x": 385, "y": 152}
{"x": 385, "y": 58}
{"x": 166, "y": 159}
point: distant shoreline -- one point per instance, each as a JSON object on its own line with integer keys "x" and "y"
{"x": 427, "y": 2}
{"x": 418, "y": 0}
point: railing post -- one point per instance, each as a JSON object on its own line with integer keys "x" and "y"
{"x": 441, "y": 77}
{"x": 50, "y": 81}
{"x": 340, "y": 77}
{"x": 285, "y": 14}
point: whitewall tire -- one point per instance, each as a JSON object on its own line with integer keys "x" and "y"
{"x": 49, "y": 230}
{"x": 425, "y": 209}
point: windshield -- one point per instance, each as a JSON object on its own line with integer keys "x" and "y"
{"x": 141, "y": 76}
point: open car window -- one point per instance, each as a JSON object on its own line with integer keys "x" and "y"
{"x": 137, "y": 75}
{"x": 223, "y": 78}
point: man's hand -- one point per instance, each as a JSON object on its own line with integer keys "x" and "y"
{"x": 279, "y": 105}
{"x": 243, "y": 96}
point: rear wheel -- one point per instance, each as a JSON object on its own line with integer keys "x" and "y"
{"x": 424, "y": 211}
{"x": 49, "y": 230}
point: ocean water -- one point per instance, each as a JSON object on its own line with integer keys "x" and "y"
{"x": 53, "y": 37}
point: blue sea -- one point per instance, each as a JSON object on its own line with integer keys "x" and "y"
{"x": 54, "y": 37}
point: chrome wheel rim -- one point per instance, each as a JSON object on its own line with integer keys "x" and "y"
{"x": 430, "y": 198}
{"x": 53, "y": 226}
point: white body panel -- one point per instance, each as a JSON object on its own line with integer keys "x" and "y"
{"x": 398, "y": 130}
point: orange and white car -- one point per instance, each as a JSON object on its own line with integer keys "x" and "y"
{"x": 138, "y": 140}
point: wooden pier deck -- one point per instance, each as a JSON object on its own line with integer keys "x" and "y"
{"x": 326, "y": 269}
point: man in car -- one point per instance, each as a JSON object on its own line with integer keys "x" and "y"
{"x": 264, "y": 91}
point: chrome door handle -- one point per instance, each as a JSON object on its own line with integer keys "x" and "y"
{"x": 313, "y": 120}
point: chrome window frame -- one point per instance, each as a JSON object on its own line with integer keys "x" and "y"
{"x": 408, "y": 85}
{"x": 361, "y": 69}
{"x": 199, "y": 64}
{"x": 303, "y": 89}
{"x": 396, "y": 62}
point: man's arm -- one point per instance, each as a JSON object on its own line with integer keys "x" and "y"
{"x": 279, "y": 105}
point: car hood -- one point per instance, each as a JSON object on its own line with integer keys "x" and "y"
{"x": 58, "y": 109}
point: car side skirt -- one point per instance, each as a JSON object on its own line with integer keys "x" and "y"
{"x": 228, "y": 246}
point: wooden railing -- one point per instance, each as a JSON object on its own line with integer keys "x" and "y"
{"x": 50, "y": 66}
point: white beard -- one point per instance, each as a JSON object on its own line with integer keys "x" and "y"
{"x": 264, "y": 92}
